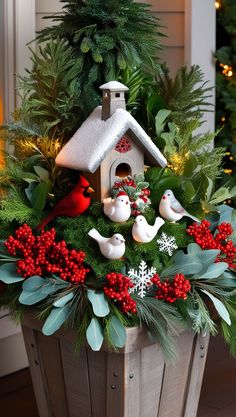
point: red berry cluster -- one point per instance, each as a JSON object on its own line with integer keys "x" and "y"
{"x": 144, "y": 194}
{"x": 41, "y": 255}
{"x": 117, "y": 289}
{"x": 205, "y": 239}
{"x": 171, "y": 291}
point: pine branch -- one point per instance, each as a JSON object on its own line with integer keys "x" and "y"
{"x": 51, "y": 92}
{"x": 186, "y": 95}
{"x": 158, "y": 316}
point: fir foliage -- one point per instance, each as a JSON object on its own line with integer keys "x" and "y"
{"x": 186, "y": 95}
{"x": 157, "y": 317}
{"x": 51, "y": 90}
{"x": 112, "y": 33}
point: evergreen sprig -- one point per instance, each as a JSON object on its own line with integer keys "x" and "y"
{"x": 108, "y": 37}
{"x": 157, "y": 317}
{"x": 51, "y": 91}
{"x": 185, "y": 95}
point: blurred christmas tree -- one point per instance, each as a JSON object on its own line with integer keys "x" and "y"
{"x": 226, "y": 85}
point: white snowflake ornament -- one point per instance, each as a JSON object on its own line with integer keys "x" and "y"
{"x": 167, "y": 244}
{"x": 141, "y": 278}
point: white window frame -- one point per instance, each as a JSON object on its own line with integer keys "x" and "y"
{"x": 200, "y": 46}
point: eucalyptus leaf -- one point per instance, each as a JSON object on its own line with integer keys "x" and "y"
{"x": 8, "y": 274}
{"x": 185, "y": 264}
{"x": 220, "y": 307}
{"x": 33, "y": 283}
{"x": 94, "y": 335}
{"x": 208, "y": 257}
{"x": 194, "y": 249}
{"x": 225, "y": 213}
{"x": 62, "y": 301}
{"x": 41, "y": 172}
{"x": 41, "y": 285}
{"x": 30, "y": 298}
{"x": 99, "y": 303}
{"x": 55, "y": 320}
{"x": 117, "y": 333}
{"x": 214, "y": 271}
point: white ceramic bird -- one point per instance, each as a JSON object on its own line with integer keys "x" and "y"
{"x": 143, "y": 232}
{"x": 111, "y": 247}
{"x": 171, "y": 209}
{"x": 118, "y": 210}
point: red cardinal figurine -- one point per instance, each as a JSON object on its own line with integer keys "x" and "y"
{"x": 72, "y": 205}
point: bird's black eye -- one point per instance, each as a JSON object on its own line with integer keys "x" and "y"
{"x": 117, "y": 238}
{"x": 122, "y": 200}
{"x": 141, "y": 220}
{"x": 168, "y": 194}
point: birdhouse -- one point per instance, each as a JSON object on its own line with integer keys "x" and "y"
{"x": 110, "y": 144}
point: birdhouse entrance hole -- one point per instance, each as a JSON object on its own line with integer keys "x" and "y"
{"x": 123, "y": 170}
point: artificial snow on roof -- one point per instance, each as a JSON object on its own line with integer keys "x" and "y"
{"x": 96, "y": 138}
{"x": 114, "y": 86}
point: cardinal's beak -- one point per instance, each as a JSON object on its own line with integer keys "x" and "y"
{"x": 90, "y": 190}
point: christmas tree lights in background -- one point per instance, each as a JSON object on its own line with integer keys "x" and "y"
{"x": 227, "y": 70}
{"x": 226, "y": 85}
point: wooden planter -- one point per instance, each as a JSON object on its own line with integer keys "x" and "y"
{"x": 133, "y": 382}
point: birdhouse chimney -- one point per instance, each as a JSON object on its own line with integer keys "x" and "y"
{"x": 113, "y": 98}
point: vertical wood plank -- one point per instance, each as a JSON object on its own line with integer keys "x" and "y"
{"x": 37, "y": 372}
{"x": 132, "y": 384}
{"x": 175, "y": 378}
{"x": 97, "y": 368}
{"x": 50, "y": 355}
{"x": 196, "y": 375}
{"x": 76, "y": 380}
{"x": 152, "y": 368}
{"x": 115, "y": 385}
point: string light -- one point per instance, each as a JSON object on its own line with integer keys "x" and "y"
{"x": 217, "y": 5}
{"x": 227, "y": 70}
{"x": 223, "y": 119}
{"x": 228, "y": 171}
{"x": 178, "y": 161}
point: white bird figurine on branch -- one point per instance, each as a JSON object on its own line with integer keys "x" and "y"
{"x": 170, "y": 208}
{"x": 110, "y": 247}
{"x": 143, "y": 232}
{"x": 118, "y": 210}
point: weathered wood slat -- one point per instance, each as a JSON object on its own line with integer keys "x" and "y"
{"x": 132, "y": 384}
{"x": 175, "y": 378}
{"x": 76, "y": 380}
{"x": 115, "y": 385}
{"x": 50, "y": 353}
{"x": 37, "y": 372}
{"x": 152, "y": 368}
{"x": 196, "y": 375}
{"x": 97, "y": 369}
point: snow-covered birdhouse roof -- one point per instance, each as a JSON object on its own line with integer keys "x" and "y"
{"x": 96, "y": 138}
